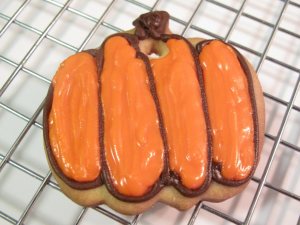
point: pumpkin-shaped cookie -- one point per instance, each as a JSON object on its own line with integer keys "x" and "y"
{"x": 128, "y": 130}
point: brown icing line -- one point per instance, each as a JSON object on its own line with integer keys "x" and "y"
{"x": 167, "y": 177}
{"x": 216, "y": 167}
{"x": 92, "y": 52}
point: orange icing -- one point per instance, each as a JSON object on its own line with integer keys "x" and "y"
{"x": 73, "y": 120}
{"x": 230, "y": 110}
{"x": 181, "y": 104}
{"x": 133, "y": 144}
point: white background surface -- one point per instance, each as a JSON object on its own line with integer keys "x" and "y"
{"x": 27, "y": 90}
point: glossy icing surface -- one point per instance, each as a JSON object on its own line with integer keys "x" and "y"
{"x": 73, "y": 119}
{"x": 230, "y": 110}
{"x": 180, "y": 100}
{"x": 133, "y": 144}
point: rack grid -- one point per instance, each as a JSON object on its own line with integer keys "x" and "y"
{"x": 35, "y": 35}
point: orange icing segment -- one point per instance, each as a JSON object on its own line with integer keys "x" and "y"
{"x": 74, "y": 119}
{"x": 181, "y": 104}
{"x": 133, "y": 144}
{"x": 230, "y": 110}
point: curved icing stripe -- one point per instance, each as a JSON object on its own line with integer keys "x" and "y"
{"x": 230, "y": 110}
{"x": 133, "y": 146}
{"x": 73, "y": 119}
{"x": 181, "y": 104}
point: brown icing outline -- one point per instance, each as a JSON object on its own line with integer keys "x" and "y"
{"x": 92, "y": 52}
{"x": 216, "y": 167}
{"x": 167, "y": 177}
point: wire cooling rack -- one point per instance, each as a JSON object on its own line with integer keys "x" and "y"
{"x": 35, "y": 36}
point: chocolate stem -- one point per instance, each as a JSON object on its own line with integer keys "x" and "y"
{"x": 152, "y": 25}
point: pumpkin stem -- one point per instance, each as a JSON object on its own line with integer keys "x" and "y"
{"x": 152, "y": 25}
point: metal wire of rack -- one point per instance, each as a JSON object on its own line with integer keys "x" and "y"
{"x": 282, "y": 136}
